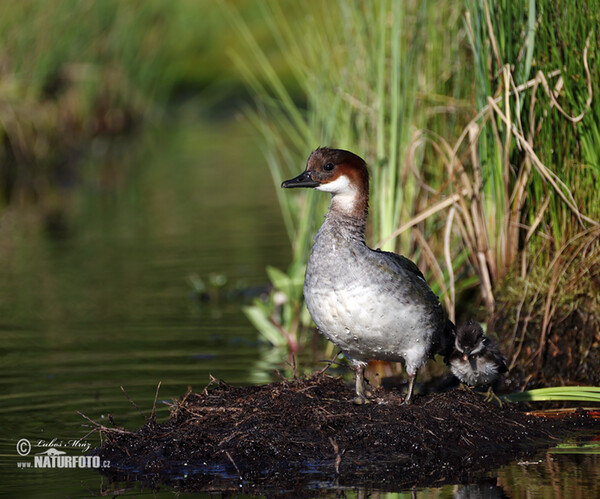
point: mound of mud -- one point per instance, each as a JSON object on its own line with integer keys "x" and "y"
{"x": 298, "y": 434}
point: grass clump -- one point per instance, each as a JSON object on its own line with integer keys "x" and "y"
{"x": 533, "y": 223}
{"x": 523, "y": 144}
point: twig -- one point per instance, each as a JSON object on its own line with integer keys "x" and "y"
{"x": 155, "y": 398}
{"x": 338, "y": 457}
{"x": 134, "y": 404}
{"x": 424, "y": 215}
{"x": 433, "y": 264}
{"x": 488, "y": 20}
{"x": 329, "y": 364}
{"x": 101, "y": 428}
{"x": 588, "y": 102}
{"x": 517, "y": 318}
{"x": 294, "y": 366}
{"x": 187, "y": 394}
{"x": 234, "y": 465}
{"x": 212, "y": 380}
{"x": 448, "y": 255}
{"x": 553, "y": 179}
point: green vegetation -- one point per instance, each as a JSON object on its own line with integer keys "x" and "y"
{"x": 495, "y": 176}
{"x": 558, "y": 393}
{"x": 72, "y": 71}
{"x": 533, "y": 178}
{"x": 537, "y": 88}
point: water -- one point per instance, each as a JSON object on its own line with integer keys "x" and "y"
{"x": 105, "y": 301}
{"x": 95, "y": 294}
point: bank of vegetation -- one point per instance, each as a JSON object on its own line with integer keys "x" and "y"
{"x": 77, "y": 76}
{"x": 479, "y": 121}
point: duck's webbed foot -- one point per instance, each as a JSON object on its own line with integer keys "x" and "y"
{"x": 488, "y": 396}
{"x": 491, "y": 397}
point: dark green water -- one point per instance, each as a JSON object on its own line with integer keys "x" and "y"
{"x": 99, "y": 297}
{"x": 106, "y": 302}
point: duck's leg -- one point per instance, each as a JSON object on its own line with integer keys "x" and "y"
{"x": 411, "y": 384}
{"x": 491, "y": 397}
{"x": 359, "y": 372}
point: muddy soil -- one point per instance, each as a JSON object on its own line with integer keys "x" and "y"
{"x": 304, "y": 434}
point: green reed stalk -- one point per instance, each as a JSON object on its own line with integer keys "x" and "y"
{"x": 358, "y": 90}
{"x": 533, "y": 184}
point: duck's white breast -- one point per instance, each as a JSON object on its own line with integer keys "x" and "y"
{"x": 365, "y": 325}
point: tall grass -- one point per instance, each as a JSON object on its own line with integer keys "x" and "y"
{"x": 510, "y": 197}
{"x": 531, "y": 220}
{"x": 71, "y": 71}
{"x": 522, "y": 151}
{"x": 363, "y": 86}
{"x": 74, "y": 70}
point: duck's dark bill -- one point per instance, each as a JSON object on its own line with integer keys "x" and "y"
{"x": 302, "y": 180}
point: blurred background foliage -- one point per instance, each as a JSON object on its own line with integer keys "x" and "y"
{"x": 483, "y": 172}
{"x": 73, "y": 70}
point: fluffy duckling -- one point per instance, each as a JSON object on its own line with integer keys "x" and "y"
{"x": 476, "y": 360}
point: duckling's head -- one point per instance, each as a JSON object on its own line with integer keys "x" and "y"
{"x": 469, "y": 339}
{"x": 341, "y": 173}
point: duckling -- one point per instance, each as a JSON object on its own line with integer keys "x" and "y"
{"x": 476, "y": 360}
{"x": 371, "y": 304}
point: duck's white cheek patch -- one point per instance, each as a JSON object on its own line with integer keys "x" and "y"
{"x": 338, "y": 186}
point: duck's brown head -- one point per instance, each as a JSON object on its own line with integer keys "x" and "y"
{"x": 342, "y": 173}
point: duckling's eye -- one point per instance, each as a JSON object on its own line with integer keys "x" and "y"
{"x": 328, "y": 167}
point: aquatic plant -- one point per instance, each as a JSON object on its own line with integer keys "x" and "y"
{"x": 521, "y": 145}
{"x": 72, "y": 71}
{"x": 531, "y": 222}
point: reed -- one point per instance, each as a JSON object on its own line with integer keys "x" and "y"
{"x": 74, "y": 70}
{"x": 509, "y": 199}
{"x": 529, "y": 219}
{"x": 523, "y": 194}
{"x": 362, "y": 86}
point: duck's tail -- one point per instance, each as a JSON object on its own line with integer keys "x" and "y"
{"x": 447, "y": 341}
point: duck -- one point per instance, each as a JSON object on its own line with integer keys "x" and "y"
{"x": 371, "y": 304}
{"x": 476, "y": 360}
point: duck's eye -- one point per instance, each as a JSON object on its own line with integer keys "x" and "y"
{"x": 328, "y": 167}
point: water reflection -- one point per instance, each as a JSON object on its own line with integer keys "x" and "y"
{"x": 106, "y": 301}
{"x": 483, "y": 489}
{"x": 554, "y": 475}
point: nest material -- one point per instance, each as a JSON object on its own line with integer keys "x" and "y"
{"x": 295, "y": 433}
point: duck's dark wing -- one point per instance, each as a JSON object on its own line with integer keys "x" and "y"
{"x": 401, "y": 262}
{"x": 494, "y": 353}
{"x": 444, "y": 343}
{"x": 447, "y": 341}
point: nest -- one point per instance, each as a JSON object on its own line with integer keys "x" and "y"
{"x": 301, "y": 433}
